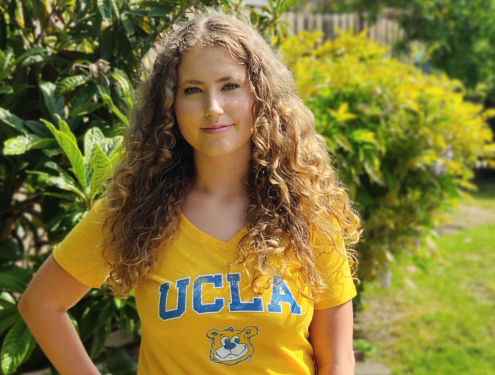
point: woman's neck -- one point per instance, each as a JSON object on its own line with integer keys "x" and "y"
{"x": 222, "y": 177}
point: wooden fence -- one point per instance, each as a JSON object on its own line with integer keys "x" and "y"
{"x": 385, "y": 31}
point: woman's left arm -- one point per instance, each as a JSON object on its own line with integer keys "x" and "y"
{"x": 330, "y": 333}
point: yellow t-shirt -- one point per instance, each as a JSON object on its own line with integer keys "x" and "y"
{"x": 199, "y": 319}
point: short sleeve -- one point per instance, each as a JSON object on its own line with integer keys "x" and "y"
{"x": 80, "y": 253}
{"x": 335, "y": 271}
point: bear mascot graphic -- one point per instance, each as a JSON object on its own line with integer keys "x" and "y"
{"x": 231, "y": 346}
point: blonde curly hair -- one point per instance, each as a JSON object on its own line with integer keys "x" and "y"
{"x": 292, "y": 185}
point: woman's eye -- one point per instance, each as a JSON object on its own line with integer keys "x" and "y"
{"x": 231, "y": 86}
{"x": 191, "y": 90}
{"x": 228, "y": 87}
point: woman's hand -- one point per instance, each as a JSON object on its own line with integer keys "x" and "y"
{"x": 44, "y": 307}
{"x": 330, "y": 333}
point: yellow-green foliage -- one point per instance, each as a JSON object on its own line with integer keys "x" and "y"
{"x": 403, "y": 142}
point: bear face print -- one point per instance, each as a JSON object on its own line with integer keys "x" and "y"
{"x": 231, "y": 346}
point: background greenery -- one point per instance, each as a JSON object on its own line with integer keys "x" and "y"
{"x": 438, "y": 320}
{"x": 458, "y": 35}
{"x": 404, "y": 143}
{"x": 67, "y": 76}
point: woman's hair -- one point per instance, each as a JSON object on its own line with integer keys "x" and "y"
{"x": 293, "y": 189}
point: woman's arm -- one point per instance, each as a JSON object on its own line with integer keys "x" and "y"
{"x": 330, "y": 333}
{"x": 44, "y": 307}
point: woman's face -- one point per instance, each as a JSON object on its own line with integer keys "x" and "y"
{"x": 213, "y": 104}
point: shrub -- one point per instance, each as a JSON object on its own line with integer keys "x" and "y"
{"x": 67, "y": 71}
{"x": 403, "y": 142}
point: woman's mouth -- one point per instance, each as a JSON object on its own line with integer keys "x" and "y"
{"x": 217, "y": 129}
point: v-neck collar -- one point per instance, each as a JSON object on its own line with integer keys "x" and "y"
{"x": 210, "y": 241}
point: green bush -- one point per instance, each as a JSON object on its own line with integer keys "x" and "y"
{"x": 404, "y": 143}
{"x": 458, "y": 35}
{"x": 67, "y": 76}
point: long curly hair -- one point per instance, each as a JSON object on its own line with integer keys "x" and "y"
{"x": 293, "y": 190}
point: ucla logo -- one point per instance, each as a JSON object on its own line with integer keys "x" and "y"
{"x": 281, "y": 294}
{"x": 231, "y": 346}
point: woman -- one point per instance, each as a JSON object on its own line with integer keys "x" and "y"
{"x": 225, "y": 216}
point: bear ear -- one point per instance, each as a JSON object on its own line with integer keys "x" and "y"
{"x": 250, "y": 331}
{"x": 212, "y": 333}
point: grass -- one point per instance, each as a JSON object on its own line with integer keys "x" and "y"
{"x": 441, "y": 321}
{"x": 484, "y": 197}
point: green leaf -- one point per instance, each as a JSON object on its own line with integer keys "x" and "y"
{"x": 72, "y": 151}
{"x": 139, "y": 12}
{"x": 92, "y": 137}
{"x": 64, "y": 127}
{"x": 99, "y": 339}
{"x": 39, "y": 59}
{"x": 6, "y": 89}
{"x": 2, "y": 63}
{"x": 124, "y": 84}
{"x": 70, "y": 83}
{"x": 374, "y": 173}
{"x": 12, "y": 120}
{"x": 100, "y": 165}
{"x": 53, "y": 105}
{"x": 105, "y": 9}
{"x": 108, "y": 43}
{"x": 38, "y": 128}
{"x": 30, "y": 52}
{"x": 12, "y": 282}
{"x": 23, "y": 143}
{"x": 8, "y": 317}
{"x": 5, "y": 62}
{"x": 108, "y": 101}
{"x": 74, "y": 321}
{"x": 158, "y": 12}
{"x": 119, "y": 303}
{"x": 12, "y": 97}
{"x": 126, "y": 325}
{"x": 63, "y": 184}
{"x": 7, "y": 298}
{"x": 364, "y": 136}
{"x": 111, "y": 146}
{"x": 18, "y": 344}
{"x": 128, "y": 367}
{"x": 287, "y": 4}
{"x": 48, "y": 91}
{"x": 343, "y": 142}
{"x": 10, "y": 251}
{"x": 85, "y": 109}
{"x": 128, "y": 25}
{"x": 62, "y": 171}
{"x": 115, "y": 9}
{"x": 106, "y": 314}
{"x": 67, "y": 197}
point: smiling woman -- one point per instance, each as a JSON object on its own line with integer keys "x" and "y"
{"x": 226, "y": 218}
{"x": 213, "y": 105}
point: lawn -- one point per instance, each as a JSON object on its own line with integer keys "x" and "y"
{"x": 441, "y": 321}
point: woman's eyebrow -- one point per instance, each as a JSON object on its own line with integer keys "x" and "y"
{"x": 196, "y": 82}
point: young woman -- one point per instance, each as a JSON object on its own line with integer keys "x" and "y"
{"x": 226, "y": 218}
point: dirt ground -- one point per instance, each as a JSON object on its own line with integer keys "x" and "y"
{"x": 467, "y": 217}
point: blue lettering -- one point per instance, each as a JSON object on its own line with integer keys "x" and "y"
{"x": 236, "y": 304}
{"x": 198, "y": 305}
{"x": 281, "y": 293}
{"x": 181, "y": 286}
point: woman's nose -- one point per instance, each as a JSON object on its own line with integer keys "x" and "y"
{"x": 213, "y": 106}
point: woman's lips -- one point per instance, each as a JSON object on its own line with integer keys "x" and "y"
{"x": 217, "y": 130}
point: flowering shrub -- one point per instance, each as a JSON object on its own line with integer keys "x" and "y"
{"x": 403, "y": 142}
